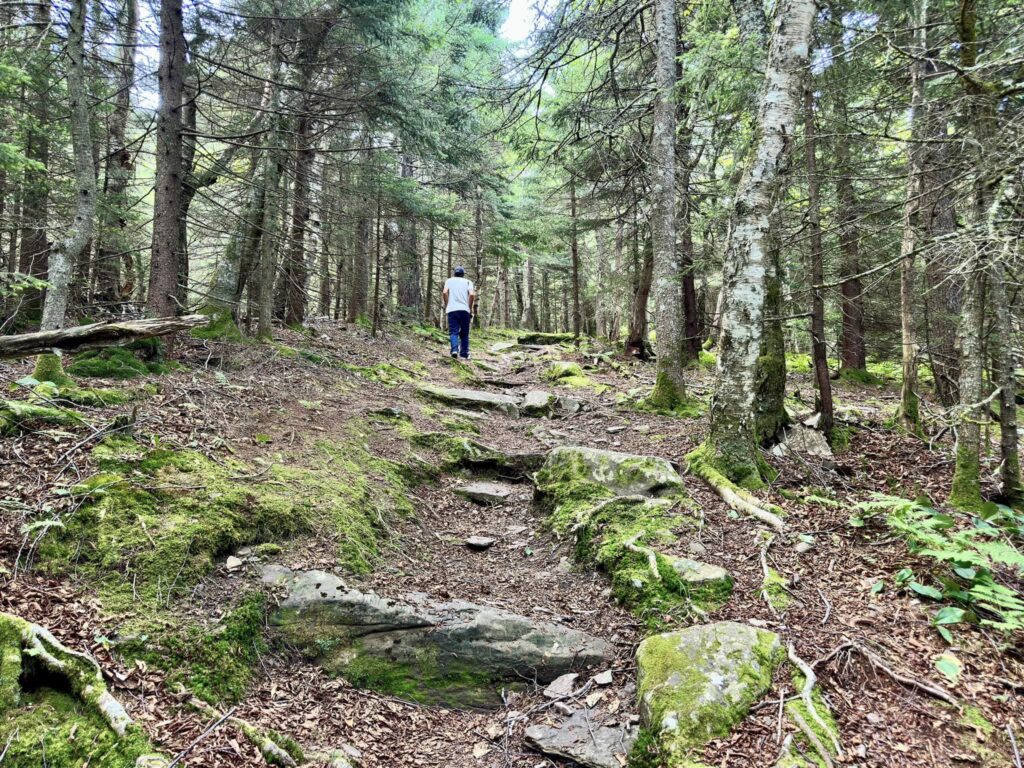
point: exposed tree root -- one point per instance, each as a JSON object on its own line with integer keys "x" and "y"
{"x": 652, "y": 557}
{"x": 810, "y": 679}
{"x": 272, "y": 753}
{"x": 743, "y": 502}
{"x": 95, "y": 335}
{"x": 82, "y": 672}
{"x": 879, "y": 663}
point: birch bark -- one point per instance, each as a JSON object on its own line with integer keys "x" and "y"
{"x": 732, "y": 445}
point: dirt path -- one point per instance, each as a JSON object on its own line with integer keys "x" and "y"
{"x": 267, "y": 405}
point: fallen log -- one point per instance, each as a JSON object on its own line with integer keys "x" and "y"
{"x": 110, "y": 334}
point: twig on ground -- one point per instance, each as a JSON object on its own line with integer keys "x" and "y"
{"x": 812, "y": 737}
{"x": 765, "y": 572}
{"x": 1013, "y": 743}
{"x": 195, "y": 742}
{"x": 877, "y": 661}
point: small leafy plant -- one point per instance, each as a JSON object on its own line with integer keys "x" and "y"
{"x": 983, "y": 565}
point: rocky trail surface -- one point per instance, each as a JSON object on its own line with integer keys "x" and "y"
{"x": 340, "y": 551}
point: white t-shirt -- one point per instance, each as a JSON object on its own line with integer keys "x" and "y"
{"x": 458, "y": 289}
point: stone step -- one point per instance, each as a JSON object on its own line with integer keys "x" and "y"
{"x": 453, "y": 653}
{"x": 485, "y": 493}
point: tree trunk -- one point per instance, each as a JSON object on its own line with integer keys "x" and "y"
{"x": 670, "y": 384}
{"x": 295, "y": 260}
{"x": 34, "y": 249}
{"x": 636, "y": 340}
{"x": 909, "y": 410}
{"x": 478, "y": 246}
{"x": 732, "y": 445}
{"x": 528, "y": 319}
{"x": 819, "y": 352}
{"x": 410, "y": 299}
{"x": 429, "y": 302}
{"x": 68, "y": 251}
{"x": 1011, "y": 489}
{"x": 574, "y": 246}
{"x": 163, "y": 270}
{"x": 112, "y": 241}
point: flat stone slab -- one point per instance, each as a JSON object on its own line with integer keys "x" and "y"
{"x": 696, "y": 684}
{"x": 698, "y": 573}
{"x": 480, "y": 543}
{"x": 471, "y": 398}
{"x": 502, "y": 346}
{"x": 485, "y": 493}
{"x": 580, "y": 739}
{"x": 453, "y": 652}
{"x": 624, "y": 474}
{"x": 538, "y": 403}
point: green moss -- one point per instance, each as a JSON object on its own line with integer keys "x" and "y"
{"x": 93, "y": 398}
{"x": 566, "y": 374}
{"x": 841, "y": 437}
{"x": 545, "y": 338}
{"x": 388, "y": 374}
{"x": 222, "y": 327}
{"x": 827, "y": 735}
{"x": 154, "y": 521}
{"x": 113, "y": 363}
{"x": 860, "y": 376}
{"x": 580, "y": 506}
{"x": 50, "y": 368}
{"x": 720, "y": 469}
{"x": 774, "y": 588}
{"x": 425, "y": 676}
{"x": 459, "y": 424}
{"x": 55, "y": 729}
{"x": 681, "y": 702}
{"x": 707, "y": 360}
{"x": 16, "y": 415}
{"x": 465, "y": 453}
{"x": 965, "y": 492}
{"x": 668, "y": 400}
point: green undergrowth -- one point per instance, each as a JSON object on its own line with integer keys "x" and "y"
{"x": 977, "y": 558}
{"x": 667, "y": 400}
{"x": 153, "y": 521}
{"x": 115, "y": 363}
{"x": 606, "y": 528}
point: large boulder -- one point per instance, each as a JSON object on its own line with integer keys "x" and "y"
{"x": 619, "y": 474}
{"x": 473, "y": 399}
{"x": 696, "y": 684}
{"x": 453, "y": 653}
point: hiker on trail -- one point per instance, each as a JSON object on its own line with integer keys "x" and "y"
{"x": 459, "y": 298}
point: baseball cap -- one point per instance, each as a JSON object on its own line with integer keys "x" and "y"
{"x": 460, "y": 271}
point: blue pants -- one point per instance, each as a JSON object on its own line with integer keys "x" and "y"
{"x": 458, "y": 330}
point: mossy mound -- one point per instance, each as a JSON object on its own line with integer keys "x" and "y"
{"x": 19, "y": 415}
{"x": 465, "y": 453}
{"x": 544, "y": 339}
{"x": 55, "y": 709}
{"x": 222, "y": 327}
{"x": 620, "y": 508}
{"x": 55, "y": 729}
{"x": 113, "y": 363}
{"x": 153, "y": 522}
{"x": 46, "y": 391}
{"x": 802, "y": 753}
{"x": 696, "y": 684}
{"x": 566, "y": 374}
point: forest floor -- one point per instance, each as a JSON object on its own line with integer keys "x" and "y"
{"x": 265, "y": 404}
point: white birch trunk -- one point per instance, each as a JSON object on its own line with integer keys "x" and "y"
{"x": 732, "y": 441}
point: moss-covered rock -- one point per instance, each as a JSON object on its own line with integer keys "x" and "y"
{"x": 471, "y": 399}
{"x": 18, "y": 415}
{"x": 545, "y": 339}
{"x": 453, "y": 653}
{"x": 620, "y": 508}
{"x": 696, "y": 684}
{"x": 567, "y": 374}
{"x": 465, "y": 453}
